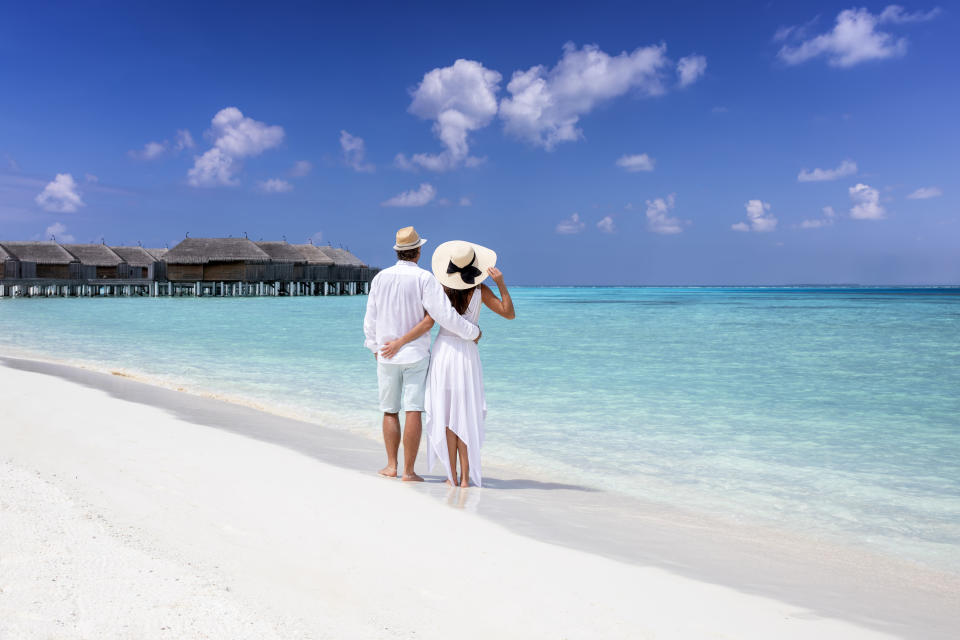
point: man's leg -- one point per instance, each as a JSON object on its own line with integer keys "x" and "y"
{"x": 390, "y": 381}
{"x": 412, "y": 428}
{"x": 391, "y": 439}
{"x": 414, "y": 390}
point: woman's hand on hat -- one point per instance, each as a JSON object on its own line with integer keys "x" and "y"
{"x": 496, "y": 274}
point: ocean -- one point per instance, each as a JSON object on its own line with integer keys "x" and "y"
{"x": 831, "y": 411}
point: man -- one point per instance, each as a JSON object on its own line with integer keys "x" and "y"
{"x": 398, "y": 297}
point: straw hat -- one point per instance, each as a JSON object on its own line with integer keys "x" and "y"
{"x": 408, "y": 238}
{"x": 461, "y": 265}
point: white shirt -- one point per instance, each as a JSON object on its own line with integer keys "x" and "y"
{"x": 396, "y": 303}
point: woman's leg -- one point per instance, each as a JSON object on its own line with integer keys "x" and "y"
{"x": 452, "y": 452}
{"x": 464, "y": 463}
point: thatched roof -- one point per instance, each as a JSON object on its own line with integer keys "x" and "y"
{"x": 157, "y": 253}
{"x": 204, "y": 250}
{"x": 281, "y": 251}
{"x": 313, "y": 255}
{"x": 343, "y": 257}
{"x": 329, "y": 252}
{"x": 39, "y": 252}
{"x": 99, "y": 255}
{"x": 135, "y": 256}
{"x": 4, "y": 255}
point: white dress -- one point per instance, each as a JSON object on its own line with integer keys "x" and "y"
{"x": 455, "y": 397}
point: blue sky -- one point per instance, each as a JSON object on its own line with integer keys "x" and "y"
{"x": 609, "y": 143}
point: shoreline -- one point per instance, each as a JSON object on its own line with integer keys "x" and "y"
{"x": 823, "y": 578}
{"x": 545, "y": 475}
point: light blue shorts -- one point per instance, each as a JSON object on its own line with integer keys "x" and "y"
{"x": 408, "y": 381}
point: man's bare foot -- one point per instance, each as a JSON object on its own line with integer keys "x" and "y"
{"x": 447, "y": 482}
{"x": 388, "y": 471}
{"x": 411, "y": 477}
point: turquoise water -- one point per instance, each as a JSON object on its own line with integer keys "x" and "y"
{"x": 833, "y": 411}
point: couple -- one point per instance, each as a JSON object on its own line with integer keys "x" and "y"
{"x": 403, "y": 304}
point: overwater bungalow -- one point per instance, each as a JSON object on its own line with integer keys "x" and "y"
{"x": 350, "y": 265}
{"x": 140, "y": 263}
{"x": 319, "y": 266}
{"x": 160, "y": 267}
{"x": 344, "y": 257}
{"x": 287, "y": 262}
{"x": 44, "y": 260}
{"x": 216, "y": 260}
{"x": 195, "y": 267}
{"x": 9, "y": 265}
{"x": 97, "y": 261}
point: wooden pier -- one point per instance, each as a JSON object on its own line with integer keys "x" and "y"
{"x": 197, "y": 267}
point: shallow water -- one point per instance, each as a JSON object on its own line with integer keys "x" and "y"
{"x": 833, "y": 410}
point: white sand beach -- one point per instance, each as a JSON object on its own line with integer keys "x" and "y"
{"x": 124, "y": 518}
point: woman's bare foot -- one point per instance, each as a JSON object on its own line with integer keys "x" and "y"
{"x": 447, "y": 482}
{"x": 411, "y": 477}
{"x": 464, "y": 483}
{"x": 388, "y": 471}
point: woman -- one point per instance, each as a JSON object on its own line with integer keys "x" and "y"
{"x": 455, "y": 403}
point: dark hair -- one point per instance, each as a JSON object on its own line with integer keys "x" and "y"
{"x": 410, "y": 255}
{"x": 459, "y": 298}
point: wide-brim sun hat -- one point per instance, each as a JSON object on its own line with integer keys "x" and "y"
{"x": 460, "y": 265}
{"x": 407, "y": 239}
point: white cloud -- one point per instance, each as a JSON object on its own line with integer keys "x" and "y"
{"x": 60, "y": 195}
{"x": 183, "y": 140}
{"x": 212, "y": 168}
{"x": 413, "y": 198}
{"x": 89, "y": 177}
{"x": 658, "y": 219}
{"x": 58, "y": 231}
{"x": 240, "y": 136}
{"x": 758, "y": 216}
{"x": 275, "y": 185}
{"x": 150, "y": 151}
{"x": 235, "y": 136}
{"x": 545, "y": 105}
{"x": 465, "y": 202}
{"x": 925, "y": 192}
{"x": 153, "y": 150}
{"x": 634, "y": 163}
{"x": 719, "y": 109}
{"x": 301, "y": 168}
{"x": 571, "y": 225}
{"x": 606, "y": 225}
{"x": 690, "y": 68}
{"x": 825, "y": 221}
{"x": 316, "y": 238}
{"x": 897, "y": 15}
{"x": 846, "y": 168}
{"x": 459, "y": 99}
{"x": 354, "y": 152}
{"x": 853, "y": 39}
{"x": 795, "y": 32}
{"x": 866, "y": 203}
